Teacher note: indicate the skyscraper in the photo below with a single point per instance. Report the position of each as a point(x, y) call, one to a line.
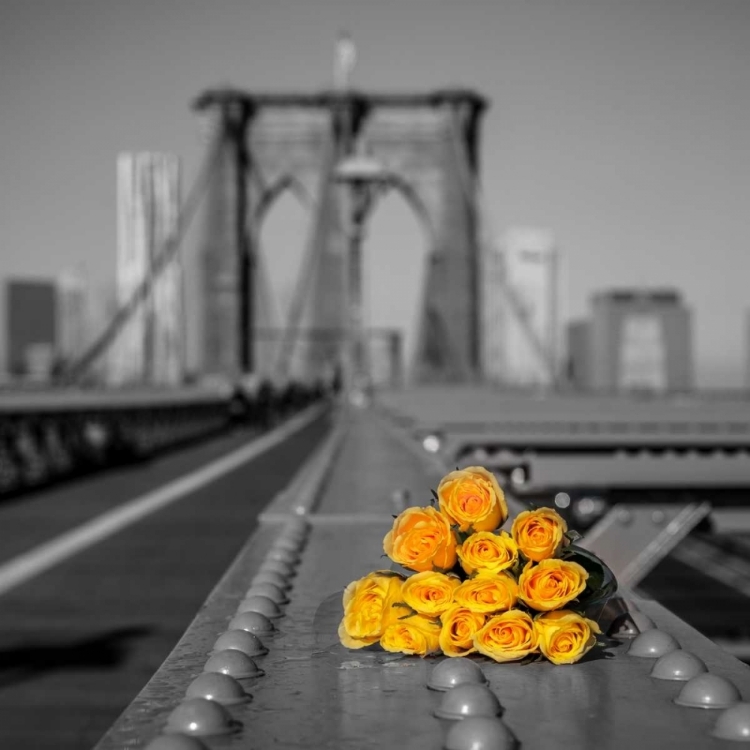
point(150, 348)
point(32, 328)
point(72, 317)
point(530, 314)
point(494, 315)
point(640, 340)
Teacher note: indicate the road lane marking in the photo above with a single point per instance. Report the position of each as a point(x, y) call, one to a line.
point(40, 559)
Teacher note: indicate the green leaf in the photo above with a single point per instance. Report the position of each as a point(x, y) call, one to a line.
point(530, 659)
point(524, 608)
point(601, 583)
point(444, 571)
point(461, 536)
point(407, 616)
point(390, 573)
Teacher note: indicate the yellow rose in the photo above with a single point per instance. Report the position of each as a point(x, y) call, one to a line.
point(487, 592)
point(539, 533)
point(487, 551)
point(507, 636)
point(459, 627)
point(421, 539)
point(472, 499)
point(550, 584)
point(429, 593)
point(368, 608)
point(565, 636)
point(412, 635)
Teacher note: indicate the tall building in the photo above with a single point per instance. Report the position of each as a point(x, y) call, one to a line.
point(639, 340)
point(31, 319)
point(531, 326)
point(150, 348)
point(72, 317)
point(578, 360)
point(493, 316)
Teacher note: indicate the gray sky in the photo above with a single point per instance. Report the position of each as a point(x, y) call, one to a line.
point(622, 126)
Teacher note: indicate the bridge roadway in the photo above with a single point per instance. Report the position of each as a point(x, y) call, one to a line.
point(315, 693)
point(79, 640)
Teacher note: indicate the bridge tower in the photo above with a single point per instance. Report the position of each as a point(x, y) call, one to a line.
point(273, 142)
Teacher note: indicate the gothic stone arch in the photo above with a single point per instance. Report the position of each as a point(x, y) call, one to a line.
point(430, 140)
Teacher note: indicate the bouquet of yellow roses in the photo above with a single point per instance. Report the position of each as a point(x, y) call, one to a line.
point(477, 587)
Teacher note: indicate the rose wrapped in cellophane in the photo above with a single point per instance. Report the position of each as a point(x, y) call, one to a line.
point(476, 587)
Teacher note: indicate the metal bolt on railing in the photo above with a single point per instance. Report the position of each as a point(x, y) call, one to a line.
point(267, 589)
point(261, 604)
point(200, 717)
point(678, 665)
point(234, 663)
point(253, 622)
point(652, 644)
point(241, 640)
point(219, 687)
point(708, 691)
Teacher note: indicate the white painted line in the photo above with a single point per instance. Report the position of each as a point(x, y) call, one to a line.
point(30, 564)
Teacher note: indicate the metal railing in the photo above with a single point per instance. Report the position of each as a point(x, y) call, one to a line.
point(47, 436)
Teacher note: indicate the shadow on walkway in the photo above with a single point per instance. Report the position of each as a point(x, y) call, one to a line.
point(106, 651)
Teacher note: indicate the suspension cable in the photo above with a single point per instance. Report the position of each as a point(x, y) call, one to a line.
point(309, 265)
point(474, 193)
point(167, 253)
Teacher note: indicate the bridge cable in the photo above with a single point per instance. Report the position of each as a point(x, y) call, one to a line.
point(474, 194)
point(267, 197)
point(325, 216)
point(169, 250)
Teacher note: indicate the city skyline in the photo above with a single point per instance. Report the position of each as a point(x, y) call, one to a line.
point(619, 127)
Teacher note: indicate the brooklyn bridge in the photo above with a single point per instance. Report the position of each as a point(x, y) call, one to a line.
point(148, 516)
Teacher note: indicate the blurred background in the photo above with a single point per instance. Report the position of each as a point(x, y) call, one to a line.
point(516, 231)
point(615, 138)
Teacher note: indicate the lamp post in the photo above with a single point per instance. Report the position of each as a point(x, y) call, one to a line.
point(366, 178)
